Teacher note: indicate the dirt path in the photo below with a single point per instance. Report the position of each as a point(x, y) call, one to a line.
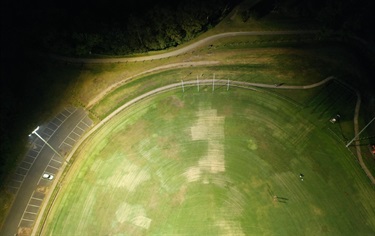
point(183, 49)
point(169, 66)
point(357, 142)
point(98, 97)
point(169, 54)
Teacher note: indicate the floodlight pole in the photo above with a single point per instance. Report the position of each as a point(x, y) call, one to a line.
point(182, 84)
point(347, 145)
point(34, 132)
point(228, 85)
point(197, 83)
point(213, 83)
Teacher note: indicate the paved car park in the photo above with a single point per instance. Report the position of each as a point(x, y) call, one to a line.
point(27, 183)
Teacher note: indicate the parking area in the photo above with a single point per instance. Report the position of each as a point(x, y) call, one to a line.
point(37, 145)
point(27, 183)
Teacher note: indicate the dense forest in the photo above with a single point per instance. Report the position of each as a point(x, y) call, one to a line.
point(119, 27)
point(81, 28)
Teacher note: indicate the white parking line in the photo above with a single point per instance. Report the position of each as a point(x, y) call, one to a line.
point(15, 183)
point(53, 123)
point(33, 158)
point(61, 121)
point(85, 123)
point(23, 174)
point(72, 112)
point(57, 118)
point(52, 167)
point(54, 164)
point(72, 108)
point(13, 187)
point(62, 113)
point(32, 153)
point(28, 162)
point(26, 220)
point(29, 212)
point(71, 145)
point(66, 144)
point(77, 126)
point(76, 133)
point(23, 214)
point(49, 128)
point(37, 147)
point(38, 199)
point(56, 161)
point(72, 139)
point(23, 168)
point(80, 128)
point(42, 179)
point(46, 136)
point(28, 216)
point(25, 164)
point(19, 174)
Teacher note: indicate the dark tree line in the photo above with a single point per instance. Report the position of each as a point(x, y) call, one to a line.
point(123, 27)
point(347, 17)
point(120, 27)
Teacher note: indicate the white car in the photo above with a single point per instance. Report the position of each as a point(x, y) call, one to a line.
point(47, 176)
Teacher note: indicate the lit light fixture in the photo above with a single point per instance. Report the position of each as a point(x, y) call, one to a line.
point(34, 131)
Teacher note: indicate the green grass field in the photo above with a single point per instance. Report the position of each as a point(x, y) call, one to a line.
point(212, 163)
point(215, 163)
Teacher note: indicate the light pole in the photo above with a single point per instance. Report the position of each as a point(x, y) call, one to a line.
point(34, 132)
point(347, 145)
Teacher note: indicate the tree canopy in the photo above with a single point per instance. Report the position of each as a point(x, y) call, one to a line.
point(121, 27)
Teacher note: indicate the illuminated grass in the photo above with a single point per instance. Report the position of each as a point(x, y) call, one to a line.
point(210, 164)
point(269, 70)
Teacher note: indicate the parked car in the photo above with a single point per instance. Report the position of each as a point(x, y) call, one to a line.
point(47, 176)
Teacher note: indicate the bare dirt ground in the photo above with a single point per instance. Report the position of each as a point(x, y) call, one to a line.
point(209, 127)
